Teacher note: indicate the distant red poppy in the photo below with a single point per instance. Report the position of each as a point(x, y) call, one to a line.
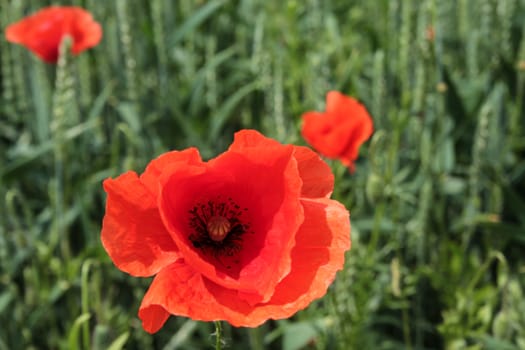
point(248, 236)
point(339, 132)
point(43, 31)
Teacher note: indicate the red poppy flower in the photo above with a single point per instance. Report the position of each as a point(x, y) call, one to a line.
point(43, 31)
point(248, 236)
point(339, 132)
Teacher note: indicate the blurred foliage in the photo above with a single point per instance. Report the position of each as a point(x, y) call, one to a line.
point(437, 204)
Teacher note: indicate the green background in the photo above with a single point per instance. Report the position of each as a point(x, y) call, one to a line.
point(436, 202)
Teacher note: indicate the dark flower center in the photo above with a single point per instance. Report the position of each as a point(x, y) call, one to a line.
point(217, 227)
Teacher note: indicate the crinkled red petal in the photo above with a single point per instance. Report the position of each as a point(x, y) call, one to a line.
point(317, 177)
point(318, 180)
point(84, 29)
point(166, 162)
point(316, 257)
point(267, 184)
point(324, 133)
point(43, 31)
point(361, 128)
point(132, 231)
point(340, 131)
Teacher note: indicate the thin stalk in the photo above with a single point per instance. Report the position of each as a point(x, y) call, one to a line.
point(218, 335)
point(255, 337)
point(376, 230)
point(84, 300)
point(406, 328)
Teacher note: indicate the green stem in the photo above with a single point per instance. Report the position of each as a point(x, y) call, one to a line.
point(255, 337)
point(218, 335)
point(84, 300)
point(406, 328)
point(376, 229)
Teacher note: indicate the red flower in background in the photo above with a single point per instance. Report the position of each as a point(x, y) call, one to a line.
point(43, 31)
point(248, 236)
point(339, 132)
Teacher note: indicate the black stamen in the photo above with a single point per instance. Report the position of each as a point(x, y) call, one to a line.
point(200, 238)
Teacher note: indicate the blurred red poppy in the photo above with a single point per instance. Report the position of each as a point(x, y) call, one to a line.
point(43, 31)
point(340, 130)
point(248, 236)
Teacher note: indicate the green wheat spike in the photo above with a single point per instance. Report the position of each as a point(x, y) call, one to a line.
point(105, 54)
point(426, 200)
point(127, 49)
point(212, 94)
point(505, 11)
point(266, 76)
point(11, 68)
point(468, 17)
point(472, 54)
point(444, 19)
point(497, 128)
point(464, 15)
point(278, 101)
point(418, 93)
point(392, 45)
point(378, 106)
point(425, 29)
point(7, 79)
point(258, 42)
point(84, 80)
point(11, 201)
point(64, 114)
point(405, 39)
point(22, 98)
point(18, 55)
point(159, 36)
point(479, 149)
point(487, 29)
point(454, 17)
point(324, 71)
point(419, 86)
point(497, 148)
point(42, 90)
point(515, 123)
point(6, 66)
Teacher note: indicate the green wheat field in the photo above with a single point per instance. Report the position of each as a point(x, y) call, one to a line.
point(437, 200)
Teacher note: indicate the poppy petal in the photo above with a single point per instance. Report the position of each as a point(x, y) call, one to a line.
point(273, 214)
point(250, 138)
point(318, 180)
point(361, 129)
point(177, 289)
point(43, 31)
point(321, 243)
point(323, 133)
point(85, 31)
point(150, 177)
point(318, 255)
point(337, 102)
point(248, 236)
point(132, 230)
point(339, 132)
point(275, 209)
point(153, 316)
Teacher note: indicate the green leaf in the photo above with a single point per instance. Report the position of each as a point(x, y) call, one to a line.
point(198, 17)
point(225, 111)
point(297, 335)
point(73, 337)
point(119, 343)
